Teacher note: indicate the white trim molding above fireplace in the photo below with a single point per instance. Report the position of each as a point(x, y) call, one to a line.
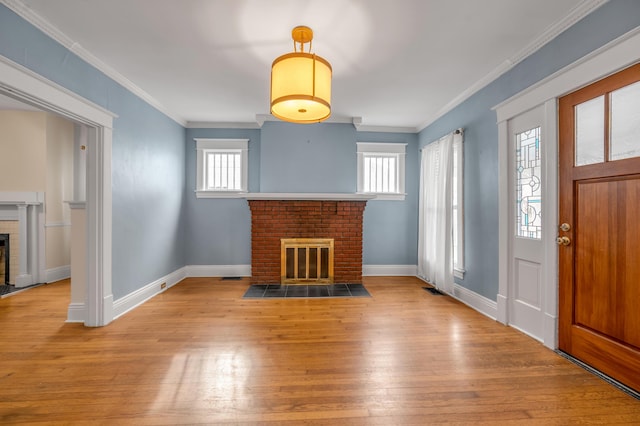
point(308, 196)
point(28, 209)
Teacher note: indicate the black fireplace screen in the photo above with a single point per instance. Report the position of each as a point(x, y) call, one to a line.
point(4, 258)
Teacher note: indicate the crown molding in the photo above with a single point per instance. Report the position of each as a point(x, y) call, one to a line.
point(222, 125)
point(29, 15)
point(335, 119)
point(262, 118)
point(614, 56)
point(356, 121)
point(580, 11)
point(21, 83)
point(576, 14)
point(386, 129)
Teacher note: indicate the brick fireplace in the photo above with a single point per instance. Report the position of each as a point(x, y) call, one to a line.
point(275, 219)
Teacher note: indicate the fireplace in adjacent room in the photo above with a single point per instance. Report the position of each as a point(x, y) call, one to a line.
point(22, 227)
point(4, 259)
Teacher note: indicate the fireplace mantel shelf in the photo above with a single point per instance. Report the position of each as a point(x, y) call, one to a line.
point(21, 198)
point(20, 203)
point(338, 196)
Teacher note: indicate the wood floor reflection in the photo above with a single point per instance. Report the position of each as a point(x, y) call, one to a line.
point(201, 354)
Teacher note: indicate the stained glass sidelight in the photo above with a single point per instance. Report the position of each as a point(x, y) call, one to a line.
point(528, 185)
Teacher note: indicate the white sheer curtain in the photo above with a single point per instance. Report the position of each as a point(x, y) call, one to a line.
point(435, 214)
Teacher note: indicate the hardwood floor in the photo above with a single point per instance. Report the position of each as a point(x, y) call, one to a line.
point(200, 354)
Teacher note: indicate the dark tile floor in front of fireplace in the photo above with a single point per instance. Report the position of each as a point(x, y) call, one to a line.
point(259, 291)
point(7, 290)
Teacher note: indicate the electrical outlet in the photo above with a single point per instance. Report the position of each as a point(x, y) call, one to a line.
point(163, 285)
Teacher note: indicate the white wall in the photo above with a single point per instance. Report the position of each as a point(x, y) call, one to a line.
point(23, 161)
point(59, 188)
point(36, 154)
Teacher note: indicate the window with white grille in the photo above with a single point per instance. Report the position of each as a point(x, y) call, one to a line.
point(224, 170)
point(381, 169)
point(221, 167)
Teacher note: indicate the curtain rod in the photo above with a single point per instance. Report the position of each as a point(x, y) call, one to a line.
point(455, 132)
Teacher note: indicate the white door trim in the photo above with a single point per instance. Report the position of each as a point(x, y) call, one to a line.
point(534, 320)
point(614, 56)
point(25, 85)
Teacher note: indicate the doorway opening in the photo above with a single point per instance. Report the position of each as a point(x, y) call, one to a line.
point(25, 86)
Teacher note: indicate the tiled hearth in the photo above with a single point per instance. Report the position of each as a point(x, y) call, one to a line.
point(275, 219)
point(265, 291)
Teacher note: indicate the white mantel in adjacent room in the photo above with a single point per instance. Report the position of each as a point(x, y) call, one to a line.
point(27, 209)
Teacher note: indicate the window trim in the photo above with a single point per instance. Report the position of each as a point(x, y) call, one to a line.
point(203, 145)
point(458, 148)
point(381, 148)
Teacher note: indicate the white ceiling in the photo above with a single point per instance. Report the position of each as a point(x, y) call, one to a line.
point(399, 63)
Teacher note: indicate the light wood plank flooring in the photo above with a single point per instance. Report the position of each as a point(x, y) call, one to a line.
point(200, 354)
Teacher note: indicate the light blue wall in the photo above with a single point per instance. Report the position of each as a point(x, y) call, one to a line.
point(148, 173)
point(218, 231)
point(391, 227)
point(159, 226)
point(308, 158)
point(481, 132)
point(286, 157)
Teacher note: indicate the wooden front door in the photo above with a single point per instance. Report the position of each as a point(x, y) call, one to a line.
point(599, 229)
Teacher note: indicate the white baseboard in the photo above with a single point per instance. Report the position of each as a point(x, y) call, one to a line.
point(389, 270)
point(57, 274)
point(75, 312)
point(502, 309)
point(218, 270)
point(550, 331)
point(476, 301)
point(125, 304)
point(23, 280)
point(138, 297)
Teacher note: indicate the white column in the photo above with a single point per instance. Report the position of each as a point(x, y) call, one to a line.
point(99, 299)
point(33, 245)
point(76, 311)
point(23, 279)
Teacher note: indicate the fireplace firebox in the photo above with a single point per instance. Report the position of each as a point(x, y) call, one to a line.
point(306, 260)
point(4, 259)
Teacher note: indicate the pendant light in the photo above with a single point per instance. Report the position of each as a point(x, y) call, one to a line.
point(301, 83)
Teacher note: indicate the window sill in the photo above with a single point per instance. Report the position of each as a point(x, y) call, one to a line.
point(385, 196)
point(459, 273)
point(219, 194)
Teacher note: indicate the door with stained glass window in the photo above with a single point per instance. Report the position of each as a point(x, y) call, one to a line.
point(526, 269)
